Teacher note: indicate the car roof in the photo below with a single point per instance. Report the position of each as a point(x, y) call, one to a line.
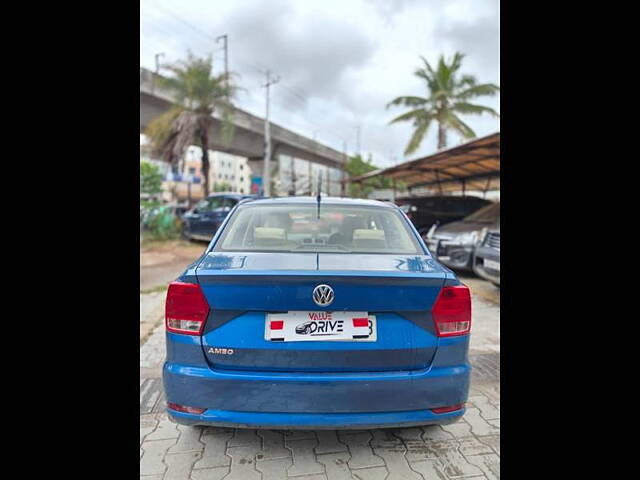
point(323, 201)
point(224, 194)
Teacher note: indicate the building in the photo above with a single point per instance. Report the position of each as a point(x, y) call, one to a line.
point(296, 176)
point(145, 156)
point(290, 176)
point(183, 182)
point(226, 172)
point(229, 171)
point(164, 167)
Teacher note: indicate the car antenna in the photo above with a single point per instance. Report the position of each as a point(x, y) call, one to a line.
point(319, 196)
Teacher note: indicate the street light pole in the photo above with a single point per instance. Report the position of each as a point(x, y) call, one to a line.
point(293, 175)
point(266, 176)
point(226, 61)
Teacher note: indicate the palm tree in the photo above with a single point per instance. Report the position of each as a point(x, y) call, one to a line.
point(197, 92)
point(448, 97)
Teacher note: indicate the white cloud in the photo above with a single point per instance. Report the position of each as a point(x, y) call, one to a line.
point(340, 61)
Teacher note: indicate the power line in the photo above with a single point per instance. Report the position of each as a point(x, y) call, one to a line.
point(294, 93)
point(266, 176)
point(259, 68)
point(170, 47)
point(168, 34)
point(181, 20)
point(316, 126)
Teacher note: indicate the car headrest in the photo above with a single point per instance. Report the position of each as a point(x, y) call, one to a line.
point(266, 236)
point(278, 220)
point(367, 238)
point(350, 224)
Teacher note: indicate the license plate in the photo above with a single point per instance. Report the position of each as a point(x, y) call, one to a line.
point(491, 264)
point(320, 327)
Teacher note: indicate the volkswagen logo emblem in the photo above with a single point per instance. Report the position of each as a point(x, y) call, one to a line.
point(323, 295)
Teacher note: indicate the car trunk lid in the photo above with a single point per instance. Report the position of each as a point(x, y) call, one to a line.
point(243, 288)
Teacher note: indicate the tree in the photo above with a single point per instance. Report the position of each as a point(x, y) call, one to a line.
point(221, 187)
point(150, 179)
point(198, 92)
point(449, 95)
point(356, 166)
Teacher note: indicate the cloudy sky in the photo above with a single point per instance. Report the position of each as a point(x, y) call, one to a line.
point(339, 61)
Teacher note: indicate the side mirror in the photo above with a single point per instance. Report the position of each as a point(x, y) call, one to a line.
point(195, 211)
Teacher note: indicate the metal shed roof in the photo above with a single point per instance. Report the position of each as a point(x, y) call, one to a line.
point(474, 165)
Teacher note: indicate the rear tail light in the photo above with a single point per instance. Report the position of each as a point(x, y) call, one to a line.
point(184, 408)
point(448, 409)
point(186, 308)
point(452, 311)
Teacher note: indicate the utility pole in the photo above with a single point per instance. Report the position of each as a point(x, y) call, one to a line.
point(328, 184)
point(266, 176)
point(293, 175)
point(358, 140)
point(157, 56)
point(344, 166)
point(226, 61)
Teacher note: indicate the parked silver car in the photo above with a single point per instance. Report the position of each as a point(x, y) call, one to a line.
point(486, 258)
point(454, 243)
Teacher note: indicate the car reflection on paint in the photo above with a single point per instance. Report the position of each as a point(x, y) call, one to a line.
point(304, 328)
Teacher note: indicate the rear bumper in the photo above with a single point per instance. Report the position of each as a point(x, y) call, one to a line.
point(314, 400)
point(315, 421)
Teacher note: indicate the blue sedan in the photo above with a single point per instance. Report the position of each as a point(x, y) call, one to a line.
point(317, 313)
point(203, 220)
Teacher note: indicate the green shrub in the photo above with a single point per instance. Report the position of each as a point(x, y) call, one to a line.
point(162, 225)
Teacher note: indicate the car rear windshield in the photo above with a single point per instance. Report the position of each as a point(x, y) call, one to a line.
point(297, 228)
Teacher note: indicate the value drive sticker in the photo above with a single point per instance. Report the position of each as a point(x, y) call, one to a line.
point(320, 326)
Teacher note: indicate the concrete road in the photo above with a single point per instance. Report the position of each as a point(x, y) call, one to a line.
point(468, 448)
point(162, 263)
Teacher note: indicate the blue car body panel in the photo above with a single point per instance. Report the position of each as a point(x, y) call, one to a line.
point(316, 421)
point(392, 381)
